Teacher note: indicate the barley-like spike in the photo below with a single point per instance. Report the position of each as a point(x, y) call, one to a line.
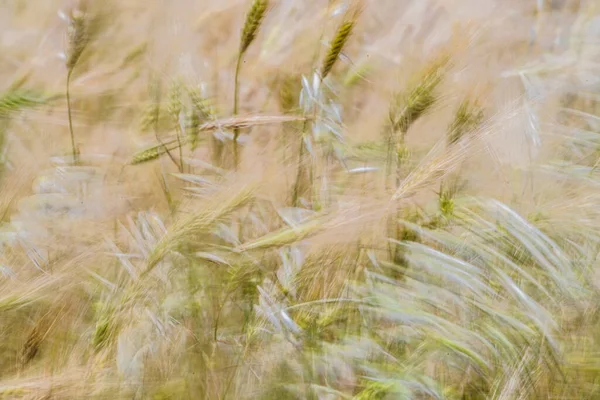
point(154, 152)
point(148, 119)
point(15, 100)
point(417, 102)
point(193, 124)
point(149, 154)
point(175, 105)
point(102, 333)
point(289, 93)
point(200, 105)
point(468, 116)
point(31, 346)
point(78, 37)
point(252, 24)
point(337, 45)
point(197, 114)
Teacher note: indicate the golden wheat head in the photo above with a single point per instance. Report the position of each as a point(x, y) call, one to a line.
point(149, 154)
point(253, 21)
point(175, 104)
point(337, 45)
point(78, 37)
point(420, 98)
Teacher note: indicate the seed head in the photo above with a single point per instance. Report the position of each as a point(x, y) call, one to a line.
point(252, 24)
point(468, 116)
point(175, 103)
point(337, 45)
point(78, 37)
point(149, 154)
point(418, 100)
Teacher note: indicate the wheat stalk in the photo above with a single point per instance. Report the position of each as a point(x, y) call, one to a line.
point(405, 110)
point(174, 109)
point(254, 19)
point(77, 41)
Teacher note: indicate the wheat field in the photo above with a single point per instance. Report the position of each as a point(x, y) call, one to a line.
point(300, 199)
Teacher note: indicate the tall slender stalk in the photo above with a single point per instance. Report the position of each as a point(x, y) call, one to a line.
point(253, 21)
point(236, 130)
point(175, 107)
point(407, 109)
point(296, 192)
point(78, 39)
point(75, 158)
point(343, 33)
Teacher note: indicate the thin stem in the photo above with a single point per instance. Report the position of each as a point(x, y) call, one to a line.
point(70, 117)
point(296, 193)
point(156, 119)
point(236, 130)
point(178, 130)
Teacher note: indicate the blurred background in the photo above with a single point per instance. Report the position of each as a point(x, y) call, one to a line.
point(283, 199)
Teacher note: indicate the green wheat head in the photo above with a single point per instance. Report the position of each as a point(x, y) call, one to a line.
point(337, 45)
point(17, 100)
point(468, 116)
point(253, 21)
point(175, 105)
point(151, 153)
point(410, 106)
point(289, 92)
point(198, 113)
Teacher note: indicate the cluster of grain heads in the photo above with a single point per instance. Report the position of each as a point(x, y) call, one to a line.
point(78, 39)
point(407, 108)
point(467, 118)
point(254, 19)
point(189, 228)
point(154, 152)
point(326, 115)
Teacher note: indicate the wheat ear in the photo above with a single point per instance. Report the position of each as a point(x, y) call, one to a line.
point(253, 21)
point(337, 45)
point(468, 116)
